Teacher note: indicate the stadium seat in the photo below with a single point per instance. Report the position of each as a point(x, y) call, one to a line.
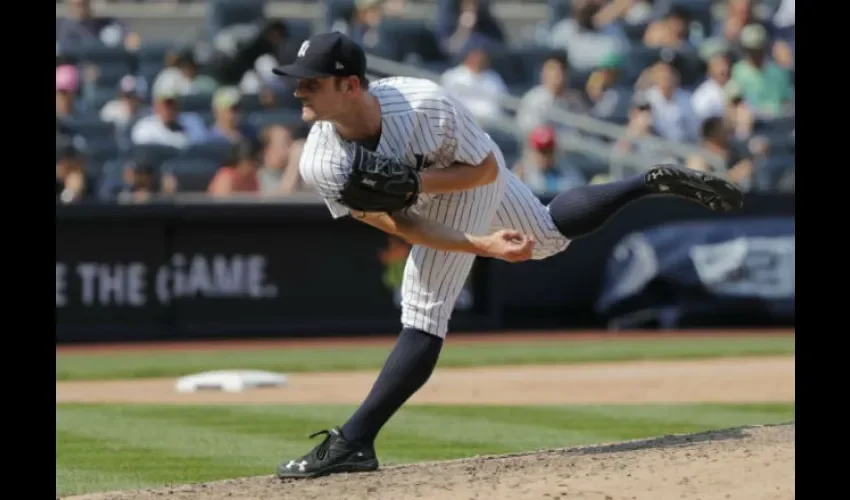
point(250, 103)
point(99, 54)
point(225, 13)
point(620, 113)
point(559, 10)
point(507, 142)
point(97, 154)
point(578, 79)
point(97, 96)
point(400, 39)
point(153, 154)
point(214, 151)
point(637, 59)
point(781, 142)
point(691, 68)
point(635, 32)
point(193, 174)
point(154, 51)
point(102, 147)
point(207, 117)
point(698, 10)
point(113, 166)
point(436, 67)
point(109, 74)
point(510, 67)
point(588, 165)
point(337, 10)
point(298, 29)
point(769, 171)
point(423, 42)
point(784, 124)
point(151, 57)
point(285, 99)
point(779, 132)
point(196, 102)
point(88, 127)
point(111, 180)
point(262, 119)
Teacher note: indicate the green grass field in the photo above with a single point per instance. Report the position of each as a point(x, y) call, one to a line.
point(108, 447)
point(102, 448)
point(117, 365)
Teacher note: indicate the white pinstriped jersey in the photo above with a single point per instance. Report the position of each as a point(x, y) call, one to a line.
point(425, 126)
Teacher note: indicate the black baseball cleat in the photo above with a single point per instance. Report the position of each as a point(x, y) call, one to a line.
point(708, 190)
point(334, 454)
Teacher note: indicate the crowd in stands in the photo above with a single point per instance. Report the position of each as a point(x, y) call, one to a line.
point(141, 119)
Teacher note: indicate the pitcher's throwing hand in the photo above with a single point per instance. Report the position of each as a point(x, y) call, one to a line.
point(509, 245)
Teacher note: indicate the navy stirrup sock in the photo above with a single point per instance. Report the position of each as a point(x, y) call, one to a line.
point(407, 368)
point(584, 209)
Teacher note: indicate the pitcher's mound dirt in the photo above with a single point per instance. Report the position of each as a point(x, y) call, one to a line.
point(740, 464)
point(696, 381)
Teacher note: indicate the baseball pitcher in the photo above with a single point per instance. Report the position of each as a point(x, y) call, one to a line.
point(402, 155)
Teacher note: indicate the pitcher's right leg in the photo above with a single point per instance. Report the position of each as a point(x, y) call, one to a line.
point(582, 210)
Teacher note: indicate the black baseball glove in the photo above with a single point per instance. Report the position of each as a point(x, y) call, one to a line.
point(378, 183)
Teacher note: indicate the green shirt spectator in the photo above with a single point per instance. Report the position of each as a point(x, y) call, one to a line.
point(766, 86)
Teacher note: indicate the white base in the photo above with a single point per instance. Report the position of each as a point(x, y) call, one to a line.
point(230, 381)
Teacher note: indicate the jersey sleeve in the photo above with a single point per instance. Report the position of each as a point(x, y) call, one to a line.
point(465, 140)
point(323, 166)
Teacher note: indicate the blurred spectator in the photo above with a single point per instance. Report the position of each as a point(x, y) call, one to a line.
point(272, 98)
point(237, 49)
point(715, 138)
point(167, 125)
point(552, 92)
point(672, 115)
point(72, 182)
point(640, 126)
point(784, 34)
point(460, 22)
point(181, 73)
point(740, 119)
point(669, 31)
point(292, 181)
point(229, 124)
point(361, 21)
point(277, 142)
point(140, 183)
point(766, 86)
point(239, 173)
point(67, 90)
point(630, 12)
point(81, 26)
point(475, 84)
point(126, 106)
point(585, 44)
point(261, 76)
point(542, 168)
point(602, 88)
point(732, 18)
point(709, 98)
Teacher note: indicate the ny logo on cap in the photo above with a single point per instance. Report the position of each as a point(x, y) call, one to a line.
point(303, 50)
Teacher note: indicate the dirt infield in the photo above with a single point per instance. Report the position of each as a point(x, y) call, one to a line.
point(697, 381)
point(744, 464)
point(739, 464)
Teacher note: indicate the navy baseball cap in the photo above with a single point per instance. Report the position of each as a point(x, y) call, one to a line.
point(326, 54)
